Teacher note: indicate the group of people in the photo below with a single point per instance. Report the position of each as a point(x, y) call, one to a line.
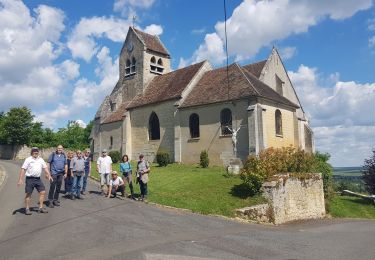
point(74, 169)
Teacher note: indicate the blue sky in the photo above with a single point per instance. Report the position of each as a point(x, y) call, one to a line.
point(60, 58)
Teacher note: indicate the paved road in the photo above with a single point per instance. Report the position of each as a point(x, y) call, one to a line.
point(99, 228)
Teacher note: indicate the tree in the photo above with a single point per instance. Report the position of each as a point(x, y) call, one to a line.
point(87, 131)
point(322, 166)
point(16, 126)
point(368, 174)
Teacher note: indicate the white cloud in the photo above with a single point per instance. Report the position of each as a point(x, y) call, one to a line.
point(371, 24)
point(371, 41)
point(341, 114)
point(255, 24)
point(82, 42)
point(288, 52)
point(69, 69)
point(154, 29)
point(198, 31)
point(127, 7)
point(81, 123)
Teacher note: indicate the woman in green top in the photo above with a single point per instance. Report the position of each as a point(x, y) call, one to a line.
point(126, 170)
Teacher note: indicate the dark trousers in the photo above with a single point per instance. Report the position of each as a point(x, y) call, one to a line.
point(143, 187)
point(55, 187)
point(68, 181)
point(119, 189)
point(131, 188)
point(85, 181)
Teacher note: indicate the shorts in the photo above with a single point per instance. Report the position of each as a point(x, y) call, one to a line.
point(127, 176)
point(104, 179)
point(34, 182)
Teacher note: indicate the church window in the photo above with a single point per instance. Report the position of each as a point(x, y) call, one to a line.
point(132, 68)
point(154, 127)
point(194, 125)
point(127, 68)
point(278, 123)
point(279, 85)
point(112, 105)
point(226, 121)
point(153, 64)
point(111, 140)
point(156, 67)
point(160, 67)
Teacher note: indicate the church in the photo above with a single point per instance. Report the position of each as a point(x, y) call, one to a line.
point(231, 112)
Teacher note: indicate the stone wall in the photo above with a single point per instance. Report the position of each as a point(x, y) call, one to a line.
point(10, 152)
point(289, 199)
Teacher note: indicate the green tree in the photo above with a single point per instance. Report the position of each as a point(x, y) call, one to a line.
point(87, 131)
point(16, 126)
point(368, 174)
point(322, 166)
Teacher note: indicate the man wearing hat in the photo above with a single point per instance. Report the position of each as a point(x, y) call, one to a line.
point(104, 168)
point(32, 168)
point(116, 184)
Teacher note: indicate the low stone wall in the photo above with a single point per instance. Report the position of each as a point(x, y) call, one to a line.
point(10, 152)
point(289, 199)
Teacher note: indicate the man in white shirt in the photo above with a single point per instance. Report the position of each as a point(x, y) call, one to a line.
point(104, 168)
point(32, 168)
point(116, 184)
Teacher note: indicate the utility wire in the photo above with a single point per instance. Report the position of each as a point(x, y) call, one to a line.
point(226, 46)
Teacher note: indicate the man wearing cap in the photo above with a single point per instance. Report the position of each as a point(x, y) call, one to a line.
point(116, 184)
point(104, 168)
point(32, 168)
point(58, 165)
point(143, 169)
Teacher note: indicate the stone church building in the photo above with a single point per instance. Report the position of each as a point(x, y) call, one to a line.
point(188, 110)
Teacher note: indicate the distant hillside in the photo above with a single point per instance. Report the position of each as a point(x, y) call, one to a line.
point(347, 171)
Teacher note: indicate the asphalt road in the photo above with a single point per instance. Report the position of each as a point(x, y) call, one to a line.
point(100, 228)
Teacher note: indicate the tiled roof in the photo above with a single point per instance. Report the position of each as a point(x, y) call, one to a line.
point(214, 85)
point(255, 68)
point(117, 115)
point(152, 42)
point(167, 86)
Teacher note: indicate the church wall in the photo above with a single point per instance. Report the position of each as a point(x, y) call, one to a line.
point(148, 75)
point(288, 125)
point(220, 148)
point(106, 131)
point(139, 128)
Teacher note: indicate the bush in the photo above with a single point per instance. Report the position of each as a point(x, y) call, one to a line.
point(162, 158)
point(115, 155)
point(204, 160)
point(322, 166)
point(272, 161)
point(368, 174)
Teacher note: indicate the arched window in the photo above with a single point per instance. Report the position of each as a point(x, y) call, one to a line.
point(153, 127)
point(278, 123)
point(160, 62)
point(194, 125)
point(127, 68)
point(153, 60)
point(111, 140)
point(160, 67)
point(153, 67)
point(132, 68)
point(226, 121)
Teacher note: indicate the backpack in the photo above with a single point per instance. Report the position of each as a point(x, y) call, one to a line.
point(53, 158)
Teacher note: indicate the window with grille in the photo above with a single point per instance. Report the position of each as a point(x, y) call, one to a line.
point(278, 123)
point(194, 125)
point(154, 127)
point(226, 121)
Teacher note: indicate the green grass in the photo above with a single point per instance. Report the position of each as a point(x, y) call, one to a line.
point(207, 191)
point(351, 207)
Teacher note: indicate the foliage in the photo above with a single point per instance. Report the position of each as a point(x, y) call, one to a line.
point(355, 186)
point(207, 191)
point(204, 160)
point(162, 158)
point(115, 156)
point(322, 166)
point(368, 174)
point(16, 126)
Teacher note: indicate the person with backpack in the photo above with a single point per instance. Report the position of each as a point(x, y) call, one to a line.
point(68, 178)
point(78, 169)
point(143, 169)
point(126, 170)
point(58, 166)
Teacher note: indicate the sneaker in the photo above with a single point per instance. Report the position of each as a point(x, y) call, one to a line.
point(28, 212)
point(123, 195)
point(79, 197)
point(132, 197)
point(72, 197)
point(83, 192)
point(50, 204)
point(42, 210)
point(56, 203)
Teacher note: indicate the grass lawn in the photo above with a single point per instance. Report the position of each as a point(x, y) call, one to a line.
point(351, 207)
point(207, 191)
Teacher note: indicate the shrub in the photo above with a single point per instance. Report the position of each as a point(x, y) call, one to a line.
point(322, 166)
point(204, 160)
point(271, 161)
point(162, 158)
point(115, 155)
point(368, 174)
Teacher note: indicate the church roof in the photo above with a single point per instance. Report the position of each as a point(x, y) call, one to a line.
point(242, 84)
point(152, 42)
point(166, 87)
point(255, 68)
point(117, 115)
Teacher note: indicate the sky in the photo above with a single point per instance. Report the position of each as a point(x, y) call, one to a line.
point(60, 58)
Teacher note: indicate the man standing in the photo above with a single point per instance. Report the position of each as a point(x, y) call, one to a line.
point(143, 169)
point(87, 159)
point(58, 165)
point(104, 168)
point(32, 168)
point(78, 170)
point(116, 184)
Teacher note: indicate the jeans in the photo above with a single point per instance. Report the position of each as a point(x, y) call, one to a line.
point(69, 184)
point(55, 187)
point(119, 189)
point(85, 181)
point(143, 187)
point(77, 185)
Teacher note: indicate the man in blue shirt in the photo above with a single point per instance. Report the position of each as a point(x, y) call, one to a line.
point(87, 158)
point(58, 166)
